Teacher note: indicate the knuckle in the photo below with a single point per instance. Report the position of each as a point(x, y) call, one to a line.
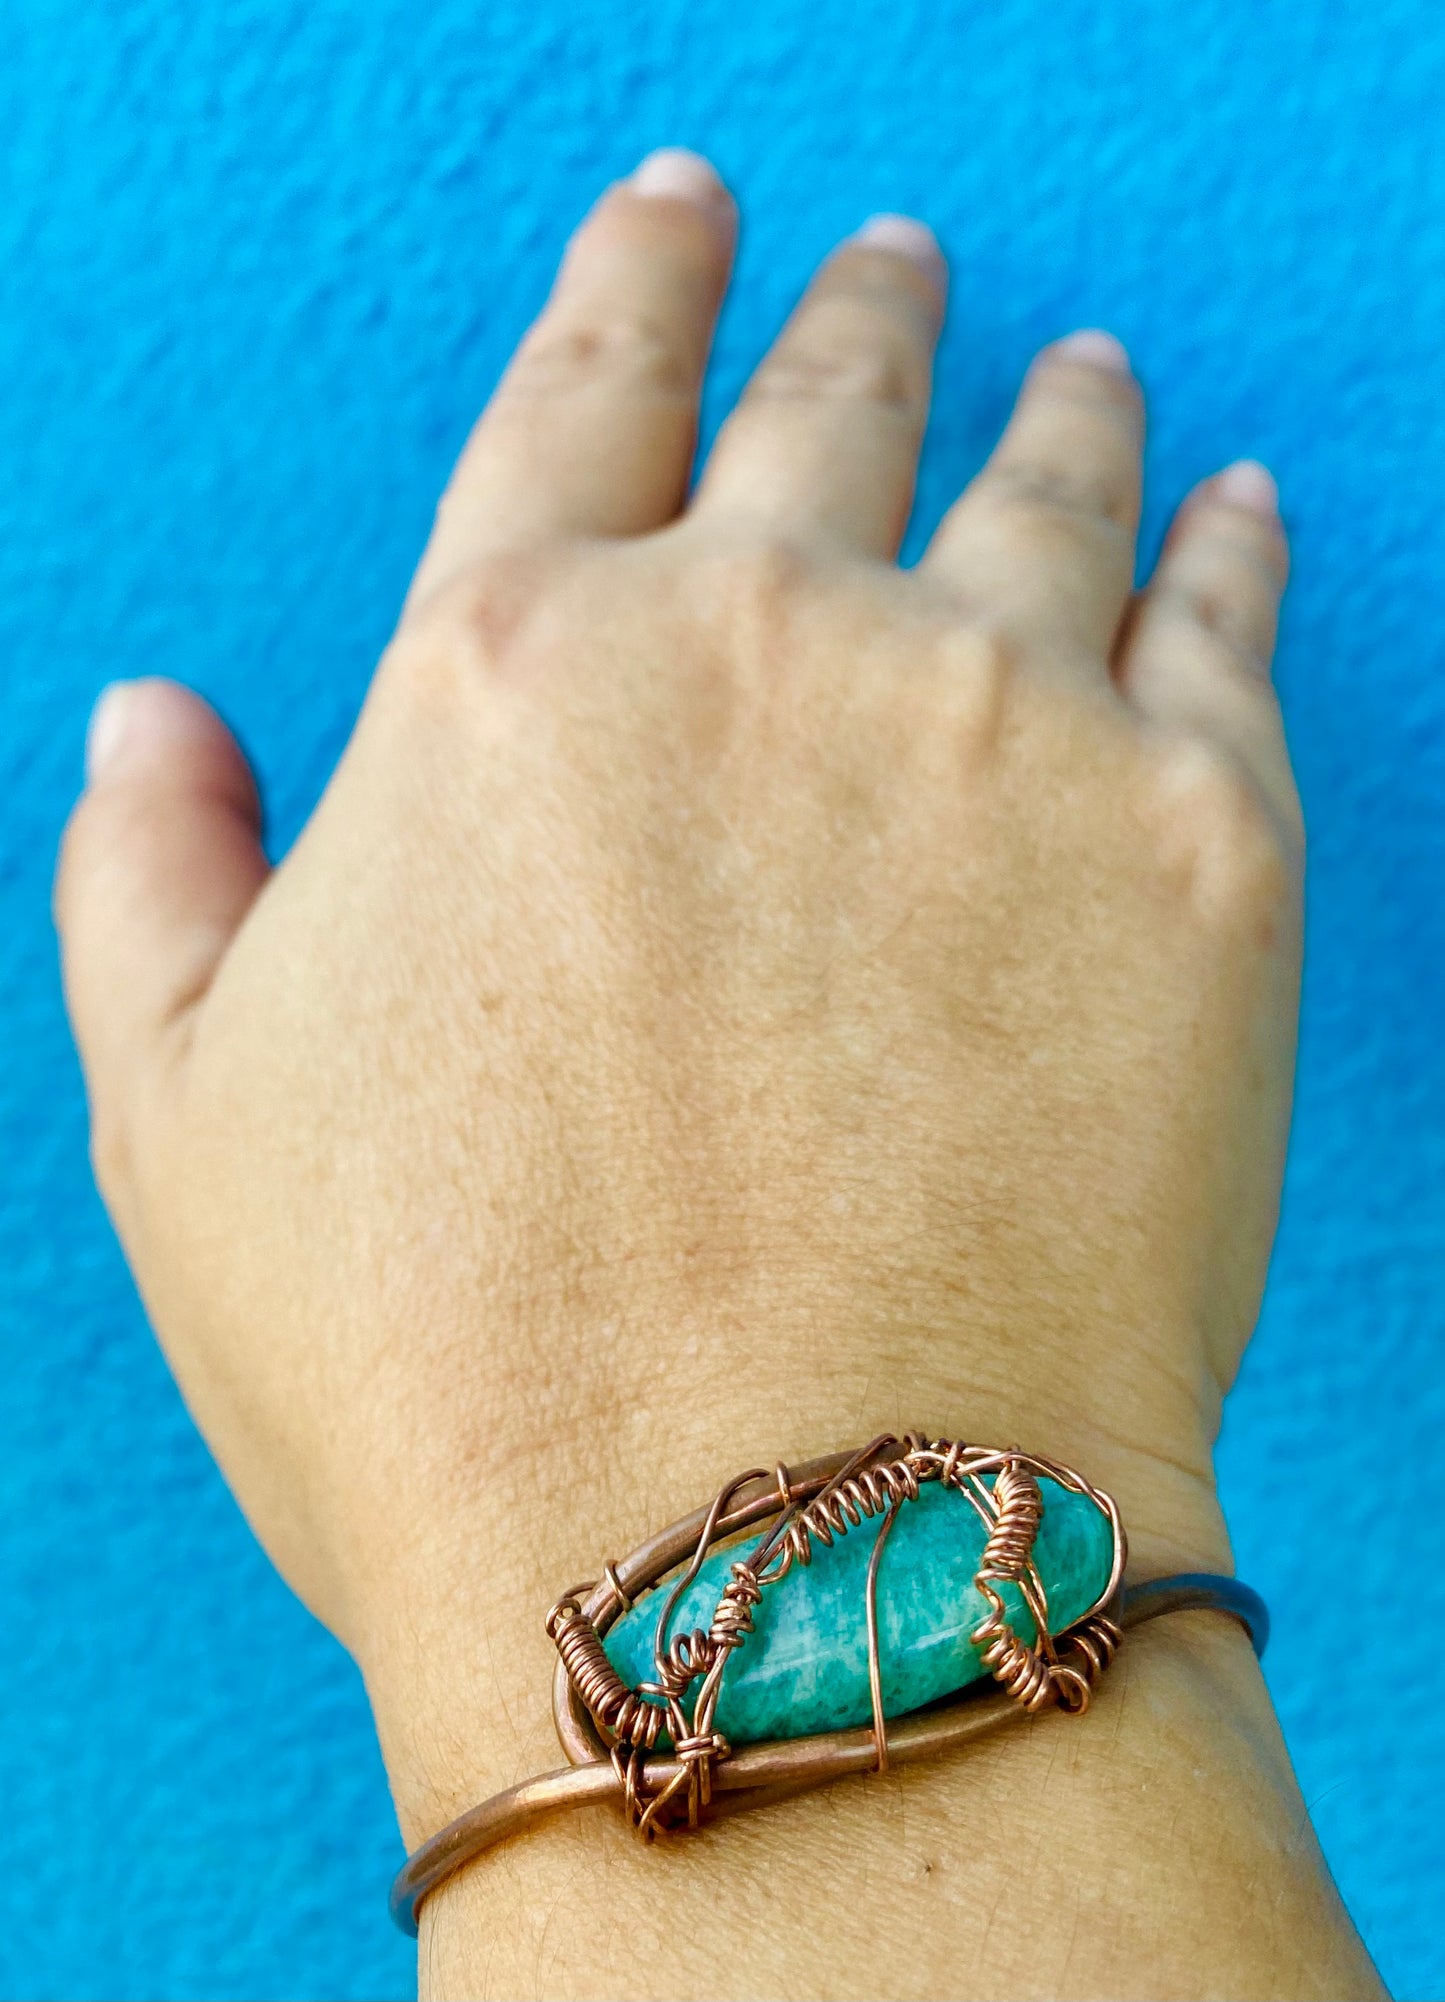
point(470, 628)
point(620, 344)
point(138, 1158)
point(1216, 612)
point(872, 372)
point(1046, 498)
point(980, 675)
point(754, 593)
point(1242, 865)
point(760, 573)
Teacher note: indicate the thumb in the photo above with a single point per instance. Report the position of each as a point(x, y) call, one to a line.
point(160, 863)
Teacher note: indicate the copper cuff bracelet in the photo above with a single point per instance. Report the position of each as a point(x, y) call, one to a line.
point(610, 1729)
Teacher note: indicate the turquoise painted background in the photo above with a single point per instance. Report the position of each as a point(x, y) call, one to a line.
point(260, 263)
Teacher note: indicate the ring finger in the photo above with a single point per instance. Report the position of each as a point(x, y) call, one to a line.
point(1042, 541)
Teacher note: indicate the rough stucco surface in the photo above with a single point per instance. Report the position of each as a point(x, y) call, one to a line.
point(261, 261)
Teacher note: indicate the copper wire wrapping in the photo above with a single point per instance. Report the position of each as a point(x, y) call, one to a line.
point(844, 1505)
point(756, 1775)
point(1027, 1670)
point(622, 1712)
point(878, 1480)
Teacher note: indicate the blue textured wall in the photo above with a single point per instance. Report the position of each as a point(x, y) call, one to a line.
point(260, 264)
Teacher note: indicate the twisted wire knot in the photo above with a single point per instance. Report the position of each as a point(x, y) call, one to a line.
point(733, 1620)
point(688, 1656)
point(708, 1745)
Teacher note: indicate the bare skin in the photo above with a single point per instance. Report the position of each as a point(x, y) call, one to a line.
point(734, 997)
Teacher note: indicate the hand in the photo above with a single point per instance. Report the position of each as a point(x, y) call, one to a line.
point(734, 996)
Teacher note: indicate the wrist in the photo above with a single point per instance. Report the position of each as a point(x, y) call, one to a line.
point(1164, 1824)
point(454, 1649)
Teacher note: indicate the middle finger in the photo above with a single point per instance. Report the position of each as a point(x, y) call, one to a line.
point(824, 442)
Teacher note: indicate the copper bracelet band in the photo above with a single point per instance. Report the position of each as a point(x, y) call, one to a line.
point(608, 1731)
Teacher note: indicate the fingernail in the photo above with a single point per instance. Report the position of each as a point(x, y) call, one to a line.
point(106, 732)
point(137, 722)
point(1248, 484)
point(906, 236)
point(1096, 349)
point(678, 175)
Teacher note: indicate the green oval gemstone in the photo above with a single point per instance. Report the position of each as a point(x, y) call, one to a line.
point(804, 1667)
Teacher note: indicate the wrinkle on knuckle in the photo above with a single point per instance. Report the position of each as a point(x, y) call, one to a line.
point(1215, 613)
point(468, 628)
point(612, 346)
point(1043, 491)
point(871, 373)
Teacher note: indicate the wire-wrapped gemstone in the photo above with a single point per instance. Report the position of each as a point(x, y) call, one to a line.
point(804, 1666)
point(968, 1598)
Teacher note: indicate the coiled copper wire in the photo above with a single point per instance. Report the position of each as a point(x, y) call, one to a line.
point(1097, 1639)
point(733, 1620)
point(1020, 1504)
point(1010, 1660)
point(1023, 1669)
point(843, 1507)
point(623, 1713)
